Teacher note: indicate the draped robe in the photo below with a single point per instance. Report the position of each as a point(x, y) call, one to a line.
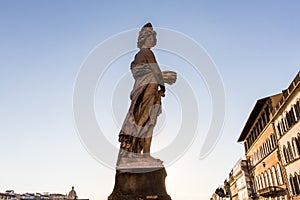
point(145, 104)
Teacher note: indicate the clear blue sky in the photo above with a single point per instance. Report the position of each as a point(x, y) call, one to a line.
point(254, 44)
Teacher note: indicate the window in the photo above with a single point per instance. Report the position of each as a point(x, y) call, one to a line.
point(289, 119)
point(292, 115)
point(279, 174)
point(294, 146)
point(286, 122)
point(270, 178)
point(246, 145)
point(269, 145)
point(271, 142)
point(264, 149)
point(290, 152)
point(256, 186)
point(283, 125)
point(285, 155)
point(266, 179)
point(262, 180)
point(297, 110)
point(299, 179)
point(292, 185)
point(274, 176)
point(297, 141)
point(265, 120)
point(274, 140)
point(296, 184)
point(278, 130)
point(259, 182)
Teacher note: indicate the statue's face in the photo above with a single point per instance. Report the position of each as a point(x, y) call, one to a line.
point(149, 42)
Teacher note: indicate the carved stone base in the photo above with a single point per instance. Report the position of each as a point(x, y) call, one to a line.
point(140, 186)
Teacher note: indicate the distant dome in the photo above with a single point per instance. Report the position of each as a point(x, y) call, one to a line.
point(72, 194)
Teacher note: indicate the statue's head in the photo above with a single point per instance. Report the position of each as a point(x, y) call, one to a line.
point(147, 37)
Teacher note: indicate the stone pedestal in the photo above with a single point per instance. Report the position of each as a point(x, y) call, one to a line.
point(132, 185)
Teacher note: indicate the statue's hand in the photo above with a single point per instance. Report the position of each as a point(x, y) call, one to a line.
point(169, 77)
point(162, 88)
point(161, 93)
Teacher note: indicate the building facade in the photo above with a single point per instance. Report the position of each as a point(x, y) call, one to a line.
point(287, 128)
point(7, 196)
point(271, 138)
point(237, 186)
point(262, 154)
point(10, 195)
point(222, 192)
point(241, 174)
point(233, 187)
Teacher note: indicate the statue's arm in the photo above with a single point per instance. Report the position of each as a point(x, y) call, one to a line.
point(156, 70)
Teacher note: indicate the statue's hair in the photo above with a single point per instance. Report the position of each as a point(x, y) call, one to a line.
point(144, 33)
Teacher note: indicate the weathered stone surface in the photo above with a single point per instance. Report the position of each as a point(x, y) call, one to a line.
point(140, 186)
point(139, 164)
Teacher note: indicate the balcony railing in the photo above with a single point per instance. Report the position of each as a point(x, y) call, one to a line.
point(270, 191)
